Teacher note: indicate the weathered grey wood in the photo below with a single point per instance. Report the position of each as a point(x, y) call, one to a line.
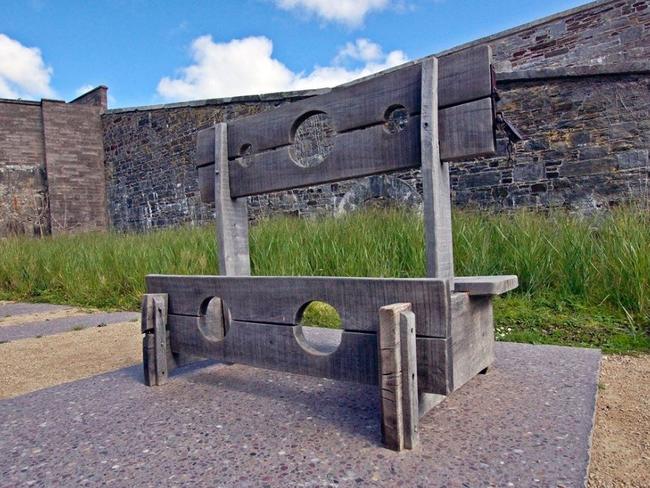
point(390, 375)
point(426, 401)
point(464, 76)
point(160, 335)
point(486, 285)
point(282, 347)
point(435, 182)
point(205, 147)
point(279, 299)
point(349, 107)
point(149, 359)
point(155, 339)
point(231, 214)
point(468, 131)
point(410, 403)
point(358, 153)
point(206, 183)
point(472, 336)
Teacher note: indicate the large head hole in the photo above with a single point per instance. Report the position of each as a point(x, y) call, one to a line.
point(396, 119)
point(313, 139)
point(214, 319)
point(319, 328)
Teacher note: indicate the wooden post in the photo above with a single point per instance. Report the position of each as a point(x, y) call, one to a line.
point(231, 214)
point(155, 342)
point(435, 181)
point(398, 376)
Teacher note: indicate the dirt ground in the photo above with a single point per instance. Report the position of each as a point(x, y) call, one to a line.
point(620, 455)
point(30, 318)
point(36, 363)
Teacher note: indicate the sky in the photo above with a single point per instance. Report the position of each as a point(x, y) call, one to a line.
point(149, 52)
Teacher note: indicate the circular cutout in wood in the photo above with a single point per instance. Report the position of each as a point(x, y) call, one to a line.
point(397, 118)
point(313, 139)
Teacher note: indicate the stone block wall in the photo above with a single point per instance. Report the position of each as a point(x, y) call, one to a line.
point(23, 208)
point(52, 165)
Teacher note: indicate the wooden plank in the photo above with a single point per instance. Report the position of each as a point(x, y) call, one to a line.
point(472, 336)
point(231, 215)
point(279, 299)
point(280, 347)
point(349, 107)
point(359, 153)
point(467, 130)
point(435, 182)
point(410, 403)
point(149, 359)
point(486, 285)
point(464, 76)
point(205, 147)
point(390, 375)
point(206, 183)
point(160, 337)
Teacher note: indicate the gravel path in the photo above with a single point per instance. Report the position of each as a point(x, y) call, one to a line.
point(10, 308)
point(62, 324)
point(526, 423)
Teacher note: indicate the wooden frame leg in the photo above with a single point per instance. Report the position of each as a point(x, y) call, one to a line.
point(155, 343)
point(398, 377)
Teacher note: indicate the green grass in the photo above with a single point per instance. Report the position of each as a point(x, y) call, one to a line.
point(583, 280)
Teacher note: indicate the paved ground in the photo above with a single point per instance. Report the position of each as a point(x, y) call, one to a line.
point(526, 423)
point(22, 320)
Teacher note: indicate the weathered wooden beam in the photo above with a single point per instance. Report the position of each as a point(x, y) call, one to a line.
point(231, 214)
point(279, 299)
point(364, 152)
point(486, 285)
point(467, 131)
point(155, 340)
point(398, 389)
point(435, 181)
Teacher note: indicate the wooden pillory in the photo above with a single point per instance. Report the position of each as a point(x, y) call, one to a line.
point(418, 339)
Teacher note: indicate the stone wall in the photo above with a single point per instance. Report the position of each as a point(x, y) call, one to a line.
point(576, 84)
point(22, 169)
point(52, 165)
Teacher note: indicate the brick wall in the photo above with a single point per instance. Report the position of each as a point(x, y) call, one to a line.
point(74, 156)
point(52, 165)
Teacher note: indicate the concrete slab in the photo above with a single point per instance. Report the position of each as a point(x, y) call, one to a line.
point(63, 324)
point(8, 309)
point(526, 423)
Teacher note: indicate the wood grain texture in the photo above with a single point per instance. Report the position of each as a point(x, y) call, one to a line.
point(359, 153)
point(410, 406)
point(464, 76)
point(279, 299)
point(349, 107)
point(155, 339)
point(205, 147)
point(390, 375)
point(160, 336)
point(231, 215)
point(435, 182)
point(206, 177)
point(472, 336)
point(427, 401)
point(467, 131)
point(486, 285)
point(282, 347)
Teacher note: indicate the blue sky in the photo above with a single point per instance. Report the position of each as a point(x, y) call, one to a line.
point(150, 52)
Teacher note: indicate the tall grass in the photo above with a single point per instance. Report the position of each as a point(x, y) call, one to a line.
point(600, 262)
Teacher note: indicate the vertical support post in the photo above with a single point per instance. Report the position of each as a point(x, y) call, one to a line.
point(435, 181)
point(155, 343)
point(398, 376)
point(231, 213)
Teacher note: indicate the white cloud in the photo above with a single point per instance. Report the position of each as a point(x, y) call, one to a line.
point(83, 89)
point(246, 66)
point(23, 74)
point(349, 12)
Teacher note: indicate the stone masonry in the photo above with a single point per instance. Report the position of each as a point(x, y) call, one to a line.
point(577, 84)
